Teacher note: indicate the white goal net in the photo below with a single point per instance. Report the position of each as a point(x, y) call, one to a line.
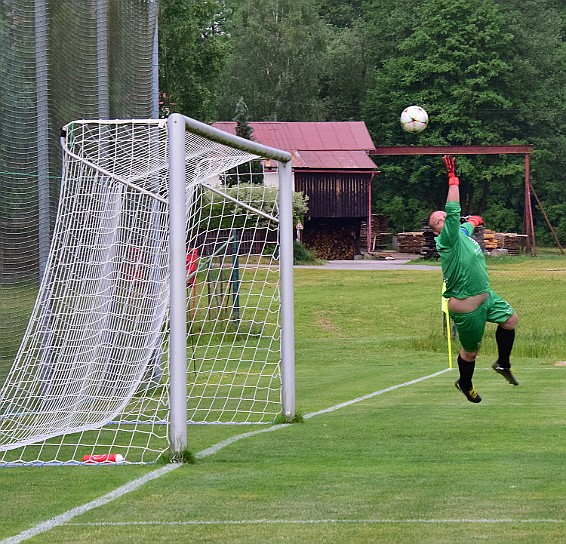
point(93, 373)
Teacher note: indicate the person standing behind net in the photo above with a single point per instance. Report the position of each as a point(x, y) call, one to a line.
point(471, 302)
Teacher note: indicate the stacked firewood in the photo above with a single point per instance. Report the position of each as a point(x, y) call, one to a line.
point(428, 249)
point(331, 242)
point(479, 236)
point(379, 235)
point(490, 240)
point(510, 241)
point(486, 238)
point(410, 242)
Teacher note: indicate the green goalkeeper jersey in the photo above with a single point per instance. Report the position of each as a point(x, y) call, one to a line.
point(463, 263)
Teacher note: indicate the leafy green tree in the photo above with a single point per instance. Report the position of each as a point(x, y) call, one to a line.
point(275, 60)
point(453, 61)
point(250, 172)
point(345, 69)
point(243, 128)
point(539, 69)
point(488, 72)
point(193, 48)
point(340, 14)
point(347, 60)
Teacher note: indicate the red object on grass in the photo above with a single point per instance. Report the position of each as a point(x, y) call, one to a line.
point(192, 266)
point(103, 458)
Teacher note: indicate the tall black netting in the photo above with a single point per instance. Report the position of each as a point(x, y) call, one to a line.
point(60, 60)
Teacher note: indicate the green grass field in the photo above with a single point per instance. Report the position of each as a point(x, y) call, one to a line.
point(388, 451)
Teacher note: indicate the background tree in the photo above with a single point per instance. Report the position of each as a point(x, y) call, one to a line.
point(539, 69)
point(455, 63)
point(346, 61)
point(275, 61)
point(250, 172)
point(344, 72)
point(488, 72)
point(193, 49)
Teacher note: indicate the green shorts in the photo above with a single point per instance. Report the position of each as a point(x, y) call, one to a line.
point(471, 326)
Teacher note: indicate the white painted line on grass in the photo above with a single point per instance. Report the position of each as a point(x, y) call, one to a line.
point(131, 486)
point(306, 522)
point(217, 447)
point(374, 394)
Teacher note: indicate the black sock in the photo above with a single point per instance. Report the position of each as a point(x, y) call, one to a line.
point(504, 339)
point(466, 372)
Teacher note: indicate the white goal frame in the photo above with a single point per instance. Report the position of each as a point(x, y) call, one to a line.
point(166, 248)
point(178, 125)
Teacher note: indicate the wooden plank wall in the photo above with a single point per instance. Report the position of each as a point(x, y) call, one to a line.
point(334, 194)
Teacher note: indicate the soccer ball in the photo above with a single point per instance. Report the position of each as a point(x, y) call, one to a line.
point(414, 119)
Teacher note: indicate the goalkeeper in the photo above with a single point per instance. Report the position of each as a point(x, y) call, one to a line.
point(471, 302)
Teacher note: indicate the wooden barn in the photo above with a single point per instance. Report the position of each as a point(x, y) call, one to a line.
point(332, 166)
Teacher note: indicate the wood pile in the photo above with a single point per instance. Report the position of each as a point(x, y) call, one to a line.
point(489, 240)
point(379, 235)
point(428, 249)
point(410, 242)
point(479, 236)
point(331, 243)
point(423, 242)
point(510, 241)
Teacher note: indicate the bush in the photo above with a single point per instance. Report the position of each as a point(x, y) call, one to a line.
point(302, 255)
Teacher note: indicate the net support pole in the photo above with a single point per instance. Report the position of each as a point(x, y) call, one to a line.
point(177, 263)
point(287, 290)
point(153, 24)
point(42, 101)
point(102, 59)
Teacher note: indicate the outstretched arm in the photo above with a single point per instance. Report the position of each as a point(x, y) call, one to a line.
point(453, 181)
point(454, 189)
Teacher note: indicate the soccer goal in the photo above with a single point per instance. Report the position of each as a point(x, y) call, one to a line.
point(167, 299)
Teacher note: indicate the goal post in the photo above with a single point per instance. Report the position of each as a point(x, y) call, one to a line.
point(167, 297)
point(178, 125)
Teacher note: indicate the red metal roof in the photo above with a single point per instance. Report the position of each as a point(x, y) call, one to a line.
point(333, 160)
point(316, 145)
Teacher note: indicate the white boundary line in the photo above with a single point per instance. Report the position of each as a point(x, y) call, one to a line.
point(135, 484)
point(375, 394)
point(231, 440)
point(306, 522)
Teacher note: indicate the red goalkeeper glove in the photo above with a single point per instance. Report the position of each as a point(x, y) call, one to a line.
point(475, 220)
point(450, 164)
